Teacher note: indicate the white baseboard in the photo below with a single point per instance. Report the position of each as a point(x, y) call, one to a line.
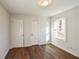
point(66, 50)
point(6, 53)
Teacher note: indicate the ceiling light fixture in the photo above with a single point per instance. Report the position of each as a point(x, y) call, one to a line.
point(44, 2)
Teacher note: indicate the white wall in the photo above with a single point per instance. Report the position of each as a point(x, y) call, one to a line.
point(72, 39)
point(30, 29)
point(4, 32)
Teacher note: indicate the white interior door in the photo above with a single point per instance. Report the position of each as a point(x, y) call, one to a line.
point(17, 33)
point(35, 33)
point(40, 30)
point(27, 32)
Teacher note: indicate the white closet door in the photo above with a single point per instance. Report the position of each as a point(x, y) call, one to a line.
point(17, 32)
point(39, 32)
point(35, 32)
point(27, 32)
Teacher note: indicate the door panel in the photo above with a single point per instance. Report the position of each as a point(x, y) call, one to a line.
point(35, 32)
point(27, 32)
point(17, 33)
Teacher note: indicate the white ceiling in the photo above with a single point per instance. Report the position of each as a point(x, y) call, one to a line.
point(30, 7)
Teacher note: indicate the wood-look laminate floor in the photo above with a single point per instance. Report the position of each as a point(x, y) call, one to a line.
point(39, 52)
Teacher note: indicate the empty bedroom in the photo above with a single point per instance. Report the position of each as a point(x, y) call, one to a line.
point(39, 29)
